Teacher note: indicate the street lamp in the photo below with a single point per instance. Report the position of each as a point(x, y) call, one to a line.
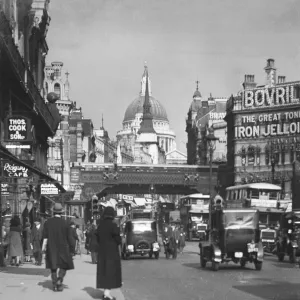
point(211, 142)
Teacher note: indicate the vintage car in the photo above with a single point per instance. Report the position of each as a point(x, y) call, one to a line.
point(288, 240)
point(140, 238)
point(268, 238)
point(234, 236)
point(201, 231)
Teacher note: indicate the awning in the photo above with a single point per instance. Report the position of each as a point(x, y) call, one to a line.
point(140, 201)
point(4, 153)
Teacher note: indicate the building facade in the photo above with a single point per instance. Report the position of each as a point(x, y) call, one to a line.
point(26, 119)
point(203, 114)
point(263, 125)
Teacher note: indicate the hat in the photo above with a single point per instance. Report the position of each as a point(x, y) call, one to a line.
point(57, 208)
point(109, 212)
point(27, 224)
point(72, 223)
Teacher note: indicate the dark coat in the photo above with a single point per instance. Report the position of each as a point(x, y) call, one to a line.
point(27, 241)
point(109, 274)
point(15, 247)
point(36, 239)
point(74, 238)
point(59, 236)
point(93, 242)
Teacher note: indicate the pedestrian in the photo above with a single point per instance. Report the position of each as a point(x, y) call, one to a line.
point(27, 245)
point(181, 239)
point(93, 244)
point(109, 275)
point(88, 227)
point(80, 237)
point(36, 241)
point(57, 242)
point(15, 249)
point(74, 237)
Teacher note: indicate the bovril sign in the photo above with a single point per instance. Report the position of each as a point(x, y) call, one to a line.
point(17, 129)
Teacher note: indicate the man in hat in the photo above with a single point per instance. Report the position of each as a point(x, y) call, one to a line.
point(74, 238)
point(57, 243)
point(36, 241)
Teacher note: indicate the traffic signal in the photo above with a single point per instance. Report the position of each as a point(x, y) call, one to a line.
point(94, 204)
point(290, 225)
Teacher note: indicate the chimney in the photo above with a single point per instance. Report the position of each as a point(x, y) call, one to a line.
point(270, 72)
point(249, 82)
point(281, 79)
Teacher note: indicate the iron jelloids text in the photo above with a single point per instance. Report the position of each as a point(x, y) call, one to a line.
point(272, 124)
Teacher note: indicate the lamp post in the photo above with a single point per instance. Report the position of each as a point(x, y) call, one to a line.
point(211, 142)
point(274, 161)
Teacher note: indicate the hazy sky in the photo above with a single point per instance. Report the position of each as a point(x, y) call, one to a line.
point(104, 43)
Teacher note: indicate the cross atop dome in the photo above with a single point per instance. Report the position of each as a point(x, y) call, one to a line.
point(145, 78)
point(197, 94)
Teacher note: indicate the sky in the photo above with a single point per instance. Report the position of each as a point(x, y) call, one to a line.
point(104, 44)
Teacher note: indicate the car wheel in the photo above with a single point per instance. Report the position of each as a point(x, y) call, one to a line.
point(258, 265)
point(202, 261)
point(293, 256)
point(280, 256)
point(243, 263)
point(215, 266)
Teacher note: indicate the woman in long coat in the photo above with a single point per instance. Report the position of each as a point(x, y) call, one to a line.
point(109, 274)
point(15, 249)
point(27, 242)
point(181, 240)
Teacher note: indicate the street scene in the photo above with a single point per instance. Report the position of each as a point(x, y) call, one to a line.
point(149, 149)
point(162, 279)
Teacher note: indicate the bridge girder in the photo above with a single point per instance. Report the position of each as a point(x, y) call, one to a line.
point(137, 180)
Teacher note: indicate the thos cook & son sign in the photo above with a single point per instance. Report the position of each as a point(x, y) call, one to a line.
point(17, 129)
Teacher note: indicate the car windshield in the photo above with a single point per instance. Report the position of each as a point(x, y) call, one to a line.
point(141, 227)
point(239, 219)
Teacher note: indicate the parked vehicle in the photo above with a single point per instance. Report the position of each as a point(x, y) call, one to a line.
point(140, 238)
point(234, 236)
point(288, 241)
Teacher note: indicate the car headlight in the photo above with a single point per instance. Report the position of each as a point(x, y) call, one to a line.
point(290, 231)
point(130, 247)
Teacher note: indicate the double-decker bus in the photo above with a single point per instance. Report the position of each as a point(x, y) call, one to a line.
point(263, 196)
point(194, 215)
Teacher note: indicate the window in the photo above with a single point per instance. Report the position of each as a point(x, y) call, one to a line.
point(57, 89)
point(251, 155)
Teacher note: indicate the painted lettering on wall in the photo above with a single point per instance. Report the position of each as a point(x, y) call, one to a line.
point(217, 116)
point(271, 124)
point(269, 97)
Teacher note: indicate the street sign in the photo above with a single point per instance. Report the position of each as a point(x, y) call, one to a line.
point(49, 189)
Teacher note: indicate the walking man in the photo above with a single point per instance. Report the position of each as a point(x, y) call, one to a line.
point(57, 242)
point(36, 241)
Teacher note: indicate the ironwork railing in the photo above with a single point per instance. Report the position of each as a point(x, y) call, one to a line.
point(24, 74)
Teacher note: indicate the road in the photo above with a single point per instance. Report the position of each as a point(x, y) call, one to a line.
point(151, 279)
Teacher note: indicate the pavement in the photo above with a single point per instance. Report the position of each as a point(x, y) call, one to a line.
point(165, 279)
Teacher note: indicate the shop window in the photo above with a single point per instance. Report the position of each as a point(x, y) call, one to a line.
point(243, 155)
point(251, 155)
point(292, 153)
point(267, 155)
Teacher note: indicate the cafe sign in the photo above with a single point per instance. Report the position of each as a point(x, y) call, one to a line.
point(4, 189)
point(15, 171)
point(17, 129)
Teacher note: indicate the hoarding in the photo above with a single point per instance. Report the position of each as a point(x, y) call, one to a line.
point(49, 189)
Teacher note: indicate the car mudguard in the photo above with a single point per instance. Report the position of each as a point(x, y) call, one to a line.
point(260, 251)
point(216, 253)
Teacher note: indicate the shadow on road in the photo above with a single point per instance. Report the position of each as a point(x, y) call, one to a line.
point(94, 293)
point(47, 284)
point(223, 267)
point(273, 290)
point(26, 271)
point(285, 265)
